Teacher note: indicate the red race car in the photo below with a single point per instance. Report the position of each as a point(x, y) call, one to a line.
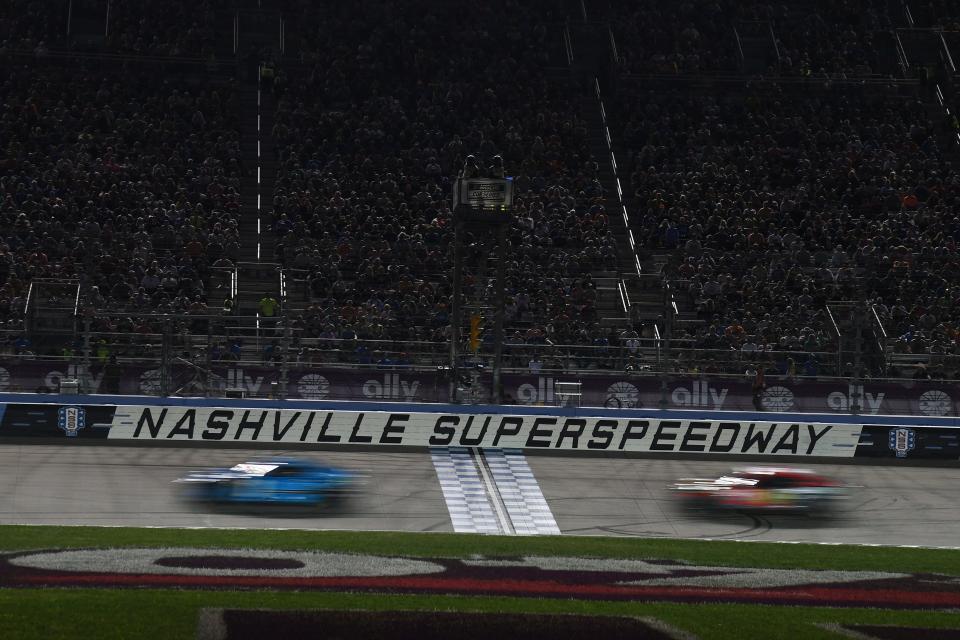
point(763, 489)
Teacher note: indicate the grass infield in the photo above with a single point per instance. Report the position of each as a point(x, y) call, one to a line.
point(159, 613)
point(458, 545)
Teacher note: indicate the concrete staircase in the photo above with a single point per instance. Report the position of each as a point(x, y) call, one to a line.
point(643, 295)
point(258, 273)
point(758, 47)
point(88, 24)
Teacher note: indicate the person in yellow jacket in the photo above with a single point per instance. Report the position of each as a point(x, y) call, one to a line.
point(268, 306)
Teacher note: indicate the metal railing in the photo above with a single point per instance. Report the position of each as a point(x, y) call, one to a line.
point(613, 47)
point(28, 306)
point(951, 117)
point(836, 332)
point(743, 59)
point(948, 57)
point(153, 338)
point(878, 327)
point(902, 55)
point(215, 356)
point(776, 46)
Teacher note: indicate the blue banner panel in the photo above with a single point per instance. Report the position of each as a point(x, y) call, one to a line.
point(56, 420)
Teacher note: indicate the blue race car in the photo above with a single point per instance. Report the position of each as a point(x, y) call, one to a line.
point(284, 481)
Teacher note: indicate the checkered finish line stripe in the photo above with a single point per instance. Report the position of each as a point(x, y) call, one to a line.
point(471, 510)
point(520, 493)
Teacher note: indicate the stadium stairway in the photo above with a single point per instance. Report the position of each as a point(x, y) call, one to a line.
point(87, 24)
point(943, 130)
point(637, 287)
point(256, 240)
point(249, 143)
point(757, 46)
point(610, 308)
point(644, 295)
point(258, 41)
point(258, 274)
point(922, 47)
point(225, 39)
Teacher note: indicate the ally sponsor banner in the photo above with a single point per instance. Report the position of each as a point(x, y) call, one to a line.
point(621, 391)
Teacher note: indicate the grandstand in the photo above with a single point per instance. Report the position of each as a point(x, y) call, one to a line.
point(702, 188)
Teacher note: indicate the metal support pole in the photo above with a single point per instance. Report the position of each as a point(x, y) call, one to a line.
point(856, 401)
point(208, 359)
point(667, 324)
point(284, 358)
point(856, 394)
point(86, 355)
point(165, 360)
point(498, 311)
point(859, 319)
point(667, 333)
point(455, 308)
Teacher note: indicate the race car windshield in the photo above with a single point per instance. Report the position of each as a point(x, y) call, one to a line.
point(737, 479)
point(254, 469)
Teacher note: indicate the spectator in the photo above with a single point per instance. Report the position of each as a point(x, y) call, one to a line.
point(268, 306)
point(535, 365)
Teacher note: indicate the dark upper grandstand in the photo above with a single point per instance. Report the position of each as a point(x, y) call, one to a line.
point(700, 186)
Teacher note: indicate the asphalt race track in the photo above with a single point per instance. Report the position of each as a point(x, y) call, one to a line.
point(893, 505)
point(131, 486)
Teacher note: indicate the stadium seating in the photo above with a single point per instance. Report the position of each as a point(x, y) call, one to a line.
point(363, 193)
point(766, 207)
point(127, 185)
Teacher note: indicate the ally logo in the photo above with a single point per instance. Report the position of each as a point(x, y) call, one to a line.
point(902, 441)
point(71, 420)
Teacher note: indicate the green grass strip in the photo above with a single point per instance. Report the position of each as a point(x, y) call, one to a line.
point(107, 614)
point(722, 553)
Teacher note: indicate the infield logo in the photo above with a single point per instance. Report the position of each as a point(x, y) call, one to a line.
point(902, 441)
point(71, 420)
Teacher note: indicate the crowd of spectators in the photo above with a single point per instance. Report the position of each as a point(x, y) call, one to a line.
point(172, 28)
point(368, 144)
point(27, 24)
point(690, 37)
point(169, 28)
point(768, 205)
point(943, 14)
point(836, 38)
point(126, 184)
